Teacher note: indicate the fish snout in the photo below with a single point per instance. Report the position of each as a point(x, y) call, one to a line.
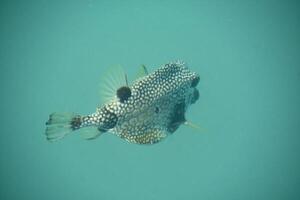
point(196, 96)
point(195, 80)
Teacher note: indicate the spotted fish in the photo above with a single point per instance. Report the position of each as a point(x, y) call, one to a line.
point(145, 112)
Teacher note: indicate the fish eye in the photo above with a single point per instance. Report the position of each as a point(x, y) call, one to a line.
point(123, 93)
point(195, 81)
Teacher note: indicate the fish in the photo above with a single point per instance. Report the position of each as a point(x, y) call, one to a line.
point(145, 111)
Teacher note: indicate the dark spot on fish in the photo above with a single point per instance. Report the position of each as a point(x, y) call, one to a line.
point(110, 120)
point(102, 130)
point(196, 96)
point(123, 93)
point(177, 117)
point(75, 123)
point(195, 81)
point(50, 120)
point(156, 110)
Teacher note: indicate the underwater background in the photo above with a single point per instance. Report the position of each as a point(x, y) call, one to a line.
point(53, 54)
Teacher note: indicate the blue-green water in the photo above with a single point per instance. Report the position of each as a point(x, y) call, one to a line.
point(52, 54)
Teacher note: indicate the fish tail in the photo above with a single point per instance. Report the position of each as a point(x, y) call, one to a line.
point(61, 124)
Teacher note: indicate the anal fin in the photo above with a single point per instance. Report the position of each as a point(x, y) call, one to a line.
point(90, 133)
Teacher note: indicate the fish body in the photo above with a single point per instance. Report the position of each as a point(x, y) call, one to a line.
point(146, 112)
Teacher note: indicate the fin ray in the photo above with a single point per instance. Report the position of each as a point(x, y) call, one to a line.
point(59, 125)
point(142, 71)
point(194, 126)
point(90, 133)
point(111, 80)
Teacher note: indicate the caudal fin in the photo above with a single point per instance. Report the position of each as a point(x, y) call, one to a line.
point(60, 124)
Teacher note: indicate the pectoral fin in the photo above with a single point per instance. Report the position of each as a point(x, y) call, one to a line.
point(194, 126)
point(111, 80)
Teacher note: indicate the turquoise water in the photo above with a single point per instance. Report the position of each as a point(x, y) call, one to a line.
point(246, 52)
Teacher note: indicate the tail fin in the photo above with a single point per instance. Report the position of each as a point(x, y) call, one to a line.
point(60, 124)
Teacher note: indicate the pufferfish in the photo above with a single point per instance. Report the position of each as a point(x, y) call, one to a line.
point(144, 112)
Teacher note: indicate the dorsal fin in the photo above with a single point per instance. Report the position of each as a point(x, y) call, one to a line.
point(111, 80)
point(142, 71)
